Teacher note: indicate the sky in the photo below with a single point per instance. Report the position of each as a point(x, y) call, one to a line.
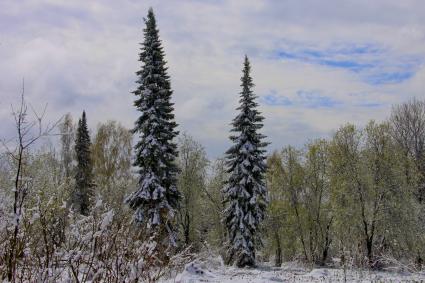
point(316, 64)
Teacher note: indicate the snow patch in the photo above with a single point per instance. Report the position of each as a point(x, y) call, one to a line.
point(107, 219)
point(195, 272)
point(210, 270)
point(318, 273)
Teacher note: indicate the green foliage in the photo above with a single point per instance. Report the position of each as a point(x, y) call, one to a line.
point(213, 204)
point(299, 212)
point(350, 197)
point(67, 139)
point(193, 163)
point(111, 155)
point(369, 189)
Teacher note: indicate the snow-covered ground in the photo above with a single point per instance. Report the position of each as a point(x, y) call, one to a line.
point(215, 271)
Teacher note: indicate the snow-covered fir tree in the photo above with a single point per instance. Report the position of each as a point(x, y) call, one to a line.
point(156, 197)
point(83, 193)
point(245, 193)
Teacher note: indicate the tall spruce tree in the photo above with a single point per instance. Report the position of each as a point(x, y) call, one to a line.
point(156, 197)
point(83, 192)
point(245, 193)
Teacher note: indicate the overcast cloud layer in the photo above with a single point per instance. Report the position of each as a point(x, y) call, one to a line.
point(316, 64)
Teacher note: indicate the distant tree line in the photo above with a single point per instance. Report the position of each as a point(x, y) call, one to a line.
point(356, 197)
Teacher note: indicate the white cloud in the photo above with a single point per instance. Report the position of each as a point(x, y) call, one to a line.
point(82, 55)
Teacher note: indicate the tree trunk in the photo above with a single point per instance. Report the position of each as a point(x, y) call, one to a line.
point(327, 244)
point(187, 229)
point(369, 241)
point(278, 255)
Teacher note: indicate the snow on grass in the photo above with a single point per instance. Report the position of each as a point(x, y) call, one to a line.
point(212, 270)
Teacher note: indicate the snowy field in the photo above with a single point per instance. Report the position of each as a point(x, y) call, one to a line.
point(215, 271)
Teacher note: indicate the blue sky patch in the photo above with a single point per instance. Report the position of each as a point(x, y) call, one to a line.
point(373, 64)
point(273, 99)
point(390, 78)
point(346, 64)
point(371, 104)
point(303, 98)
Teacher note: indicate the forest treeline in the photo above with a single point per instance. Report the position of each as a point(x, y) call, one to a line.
point(79, 205)
point(354, 199)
